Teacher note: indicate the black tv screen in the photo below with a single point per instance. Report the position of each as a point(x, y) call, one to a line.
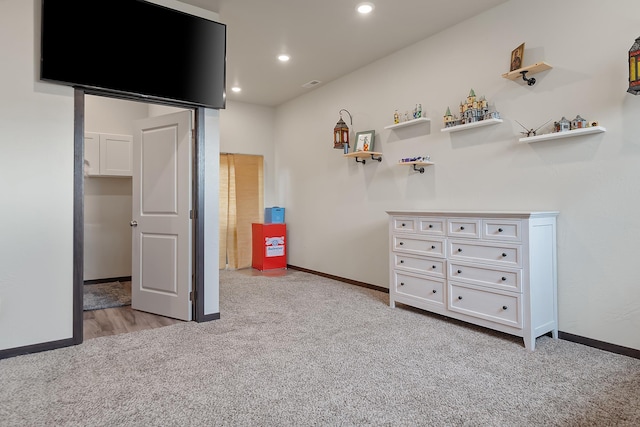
point(134, 47)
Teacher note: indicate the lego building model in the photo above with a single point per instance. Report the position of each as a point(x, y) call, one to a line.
point(473, 110)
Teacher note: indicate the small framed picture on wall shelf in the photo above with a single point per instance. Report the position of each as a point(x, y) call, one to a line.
point(364, 140)
point(517, 58)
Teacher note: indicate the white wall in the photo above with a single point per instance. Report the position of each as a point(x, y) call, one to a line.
point(249, 129)
point(336, 208)
point(36, 184)
point(107, 234)
point(211, 207)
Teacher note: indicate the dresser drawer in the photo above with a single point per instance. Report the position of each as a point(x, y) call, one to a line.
point(432, 226)
point(505, 308)
point(506, 279)
point(405, 225)
point(419, 245)
point(499, 254)
point(423, 288)
point(431, 266)
point(501, 229)
point(464, 227)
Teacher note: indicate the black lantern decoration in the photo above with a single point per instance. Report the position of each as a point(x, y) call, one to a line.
point(634, 72)
point(341, 133)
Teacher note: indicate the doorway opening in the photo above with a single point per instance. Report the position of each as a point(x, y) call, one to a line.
point(196, 208)
point(241, 202)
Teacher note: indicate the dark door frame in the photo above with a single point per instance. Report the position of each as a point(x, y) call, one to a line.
point(78, 207)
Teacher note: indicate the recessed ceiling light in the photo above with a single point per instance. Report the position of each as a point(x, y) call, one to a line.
point(365, 8)
point(283, 58)
point(236, 89)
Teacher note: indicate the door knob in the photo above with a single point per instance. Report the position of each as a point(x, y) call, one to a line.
point(133, 223)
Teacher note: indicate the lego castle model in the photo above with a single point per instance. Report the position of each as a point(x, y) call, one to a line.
point(473, 110)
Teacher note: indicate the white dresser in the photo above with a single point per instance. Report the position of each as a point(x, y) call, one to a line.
point(493, 269)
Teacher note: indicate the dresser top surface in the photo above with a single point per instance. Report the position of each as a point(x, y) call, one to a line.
point(482, 214)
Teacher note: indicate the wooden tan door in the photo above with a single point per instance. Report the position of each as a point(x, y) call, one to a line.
point(241, 204)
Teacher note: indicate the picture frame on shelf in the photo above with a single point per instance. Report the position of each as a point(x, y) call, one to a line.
point(517, 58)
point(365, 140)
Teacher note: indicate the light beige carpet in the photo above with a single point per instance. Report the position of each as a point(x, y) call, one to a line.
point(300, 350)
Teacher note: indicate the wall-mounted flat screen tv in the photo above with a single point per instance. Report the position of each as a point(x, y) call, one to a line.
point(134, 47)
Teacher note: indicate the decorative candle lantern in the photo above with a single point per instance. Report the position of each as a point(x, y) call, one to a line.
point(341, 133)
point(634, 72)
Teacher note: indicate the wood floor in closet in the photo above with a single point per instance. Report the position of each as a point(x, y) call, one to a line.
point(120, 320)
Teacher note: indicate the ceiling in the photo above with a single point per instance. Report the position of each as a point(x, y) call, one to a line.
point(326, 39)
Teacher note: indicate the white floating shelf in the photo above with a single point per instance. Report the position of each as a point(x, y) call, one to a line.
point(481, 123)
point(408, 123)
point(565, 134)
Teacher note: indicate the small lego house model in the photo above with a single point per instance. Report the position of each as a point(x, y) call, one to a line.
point(578, 123)
point(563, 125)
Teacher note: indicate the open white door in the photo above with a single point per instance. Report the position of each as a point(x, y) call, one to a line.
point(161, 223)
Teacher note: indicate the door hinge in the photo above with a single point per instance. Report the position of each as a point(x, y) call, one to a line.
point(192, 296)
point(191, 214)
